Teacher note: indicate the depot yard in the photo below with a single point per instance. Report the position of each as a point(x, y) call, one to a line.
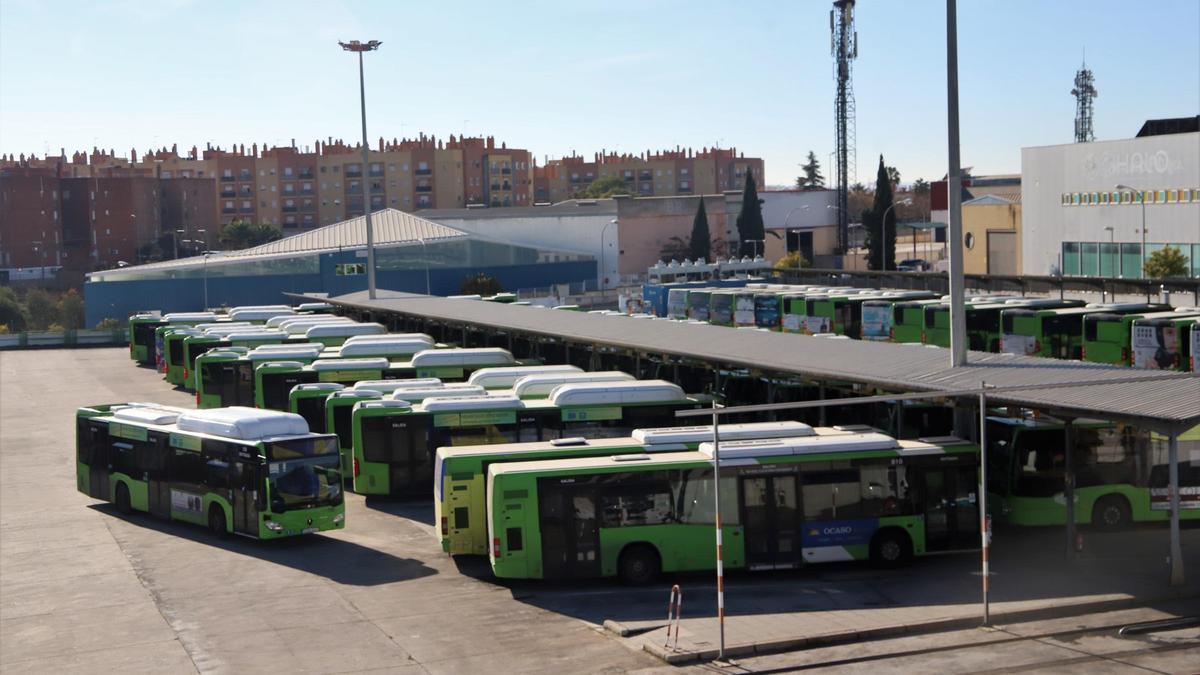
point(84, 588)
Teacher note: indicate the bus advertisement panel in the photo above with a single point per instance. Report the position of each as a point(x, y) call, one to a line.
point(877, 320)
point(744, 309)
point(1194, 345)
point(766, 310)
point(1156, 345)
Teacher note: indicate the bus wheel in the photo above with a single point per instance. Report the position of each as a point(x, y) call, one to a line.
point(1111, 513)
point(639, 565)
point(216, 521)
point(122, 499)
point(890, 548)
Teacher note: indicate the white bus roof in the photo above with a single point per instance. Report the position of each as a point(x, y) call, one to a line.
point(258, 335)
point(280, 364)
point(344, 329)
point(276, 321)
point(351, 364)
point(732, 432)
point(242, 423)
point(609, 393)
point(481, 356)
point(147, 415)
point(220, 324)
point(383, 403)
point(808, 445)
point(224, 352)
point(191, 317)
point(241, 308)
point(457, 390)
point(506, 376)
point(541, 384)
point(267, 352)
point(259, 314)
point(424, 383)
point(319, 386)
point(401, 347)
point(312, 306)
point(357, 393)
point(355, 339)
point(381, 386)
point(464, 297)
point(437, 405)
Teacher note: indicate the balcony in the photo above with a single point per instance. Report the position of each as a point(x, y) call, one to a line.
point(246, 209)
point(228, 192)
point(376, 173)
point(424, 188)
point(505, 171)
point(685, 189)
point(495, 186)
point(645, 175)
point(424, 172)
point(246, 176)
point(226, 179)
point(290, 209)
point(377, 187)
point(307, 192)
point(307, 173)
point(506, 187)
point(228, 209)
point(576, 179)
point(356, 190)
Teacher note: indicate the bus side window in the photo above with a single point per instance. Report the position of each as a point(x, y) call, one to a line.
point(187, 467)
point(216, 464)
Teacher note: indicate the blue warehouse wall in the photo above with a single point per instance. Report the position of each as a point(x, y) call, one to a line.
point(119, 299)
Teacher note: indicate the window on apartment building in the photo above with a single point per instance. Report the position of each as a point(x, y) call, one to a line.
point(404, 167)
point(229, 204)
point(287, 171)
point(337, 169)
point(289, 188)
point(422, 166)
point(322, 169)
point(227, 173)
point(247, 204)
point(307, 187)
point(263, 204)
point(262, 187)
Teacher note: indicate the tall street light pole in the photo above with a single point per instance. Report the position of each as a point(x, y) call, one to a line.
point(883, 233)
point(958, 319)
point(1141, 197)
point(359, 48)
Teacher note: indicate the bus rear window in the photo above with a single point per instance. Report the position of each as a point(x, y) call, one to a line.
point(301, 447)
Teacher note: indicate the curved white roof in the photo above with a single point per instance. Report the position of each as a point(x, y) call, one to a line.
point(243, 308)
point(357, 393)
point(804, 445)
point(220, 325)
point(313, 306)
point(610, 393)
point(423, 383)
point(481, 356)
point(355, 339)
point(319, 386)
point(189, 317)
point(457, 390)
point(351, 364)
point(383, 403)
point(224, 353)
point(147, 415)
point(343, 329)
point(541, 384)
point(267, 352)
point(381, 386)
point(279, 321)
point(242, 423)
point(259, 314)
point(279, 364)
point(464, 297)
point(506, 376)
point(391, 347)
point(473, 403)
point(300, 326)
point(258, 335)
point(731, 432)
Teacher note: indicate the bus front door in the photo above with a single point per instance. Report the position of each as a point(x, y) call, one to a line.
point(570, 532)
point(98, 471)
point(246, 481)
point(158, 487)
point(771, 520)
point(951, 508)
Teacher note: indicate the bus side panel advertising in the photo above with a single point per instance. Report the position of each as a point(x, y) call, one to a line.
point(1023, 345)
point(1155, 347)
point(876, 322)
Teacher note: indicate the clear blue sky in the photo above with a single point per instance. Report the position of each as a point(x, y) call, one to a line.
point(555, 77)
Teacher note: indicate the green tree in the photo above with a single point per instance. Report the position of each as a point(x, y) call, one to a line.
point(241, 234)
point(70, 310)
point(750, 221)
point(481, 284)
point(676, 248)
point(41, 309)
point(880, 223)
point(699, 244)
point(920, 186)
point(812, 178)
point(605, 186)
point(893, 176)
point(12, 313)
point(1165, 263)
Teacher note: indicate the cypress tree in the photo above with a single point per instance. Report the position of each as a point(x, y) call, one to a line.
point(700, 244)
point(880, 223)
point(750, 220)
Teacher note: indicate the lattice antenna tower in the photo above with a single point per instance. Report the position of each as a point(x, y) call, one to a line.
point(844, 48)
point(1084, 92)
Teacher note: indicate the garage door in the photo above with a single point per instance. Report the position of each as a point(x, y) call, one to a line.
point(1002, 252)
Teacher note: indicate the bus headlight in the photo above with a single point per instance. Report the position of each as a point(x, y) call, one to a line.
point(273, 526)
point(339, 519)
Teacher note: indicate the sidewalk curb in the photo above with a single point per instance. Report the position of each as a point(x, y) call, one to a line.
point(936, 626)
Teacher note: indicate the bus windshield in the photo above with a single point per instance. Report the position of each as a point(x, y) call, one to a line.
point(303, 472)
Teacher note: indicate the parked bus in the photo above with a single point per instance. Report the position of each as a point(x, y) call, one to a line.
point(1056, 333)
point(698, 303)
point(1162, 344)
point(767, 310)
point(1194, 347)
point(1107, 337)
point(983, 321)
point(1114, 467)
point(908, 319)
point(720, 307)
point(460, 473)
point(334, 334)
point(274, 381)
point(394, 447)
point(785, 503)
point(225, 377)
point(170, 322)
point(172, 353)
point(141, 337)
point(251, 472)
point(843, 314)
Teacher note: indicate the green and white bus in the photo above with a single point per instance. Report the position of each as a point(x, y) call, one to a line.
point(1162, 344)
point(273, 381)
point(1055, 333)
point(141, 337)
point(1115, 469)
point(1107, 338)
point(1194, 347)
point(983, 321)
point(225, 377)
point(334, 334)
point(785, 503)
point(251, 472)
point(460, 473)
point(394, 446)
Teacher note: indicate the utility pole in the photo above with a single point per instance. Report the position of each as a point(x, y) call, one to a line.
point(958, 319)
point(359, 48)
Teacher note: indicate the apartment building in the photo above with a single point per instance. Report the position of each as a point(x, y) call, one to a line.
point(681, 171)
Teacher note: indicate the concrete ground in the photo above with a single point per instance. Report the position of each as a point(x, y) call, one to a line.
point(84, 589)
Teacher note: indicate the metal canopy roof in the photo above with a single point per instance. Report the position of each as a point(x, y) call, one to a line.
point(1172, 402)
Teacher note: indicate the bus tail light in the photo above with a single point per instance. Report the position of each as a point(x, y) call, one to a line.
point(1037, 346)
point(496, 547)
point(197, 398)
point(185, 373)
point(892, 334)
point(1124, 356)
point(445, 526)
point(356, 470)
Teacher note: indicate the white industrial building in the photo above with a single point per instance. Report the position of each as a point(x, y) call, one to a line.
point(1083, 203)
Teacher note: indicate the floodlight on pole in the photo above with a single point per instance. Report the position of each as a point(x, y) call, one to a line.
point(359, 48)
point(883, 232)
point(1142, 198)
